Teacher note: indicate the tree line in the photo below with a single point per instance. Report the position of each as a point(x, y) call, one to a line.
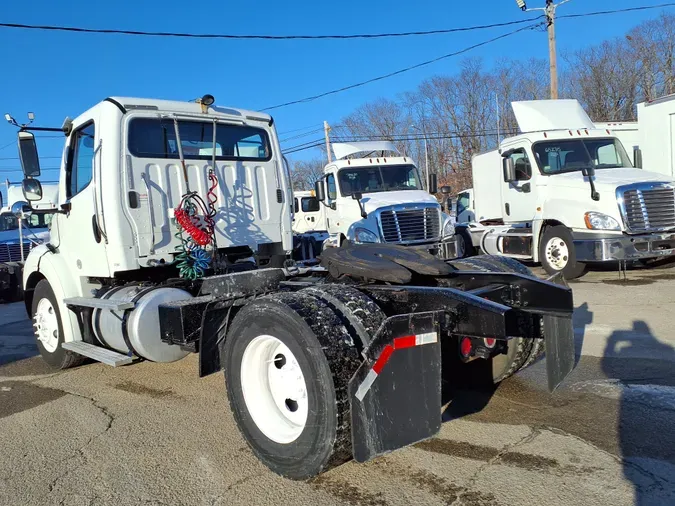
point(457, 114)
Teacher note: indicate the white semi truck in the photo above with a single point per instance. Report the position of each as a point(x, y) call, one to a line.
point(173, 236)
point(21, 228)
point(565, 194)
point(380, 199)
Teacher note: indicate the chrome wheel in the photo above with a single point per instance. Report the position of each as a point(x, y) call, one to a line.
point(557, 253)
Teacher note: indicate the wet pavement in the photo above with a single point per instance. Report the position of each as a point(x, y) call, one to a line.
point(157, 434)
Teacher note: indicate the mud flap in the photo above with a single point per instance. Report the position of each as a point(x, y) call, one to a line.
point(559, 339)
point(395, 396)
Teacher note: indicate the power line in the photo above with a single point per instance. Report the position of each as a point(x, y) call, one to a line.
point(299, 136)
point(264, 37)
point(400, 71)
point(618, 11)
point(41, 158)
point(401, 137)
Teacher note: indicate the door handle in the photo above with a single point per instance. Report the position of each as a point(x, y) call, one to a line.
point(507, 207)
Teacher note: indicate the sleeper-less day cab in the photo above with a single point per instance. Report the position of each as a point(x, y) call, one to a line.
point(380, 198)
point(566, 194)
point(173, 236)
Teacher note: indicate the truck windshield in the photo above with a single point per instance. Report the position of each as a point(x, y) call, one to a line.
point(378, 178)
point(569, 155)
point(8, 222)
point(37, 220)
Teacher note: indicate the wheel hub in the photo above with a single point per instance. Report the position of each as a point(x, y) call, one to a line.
point(557, 253)
point(46, 325)
point(274, 389)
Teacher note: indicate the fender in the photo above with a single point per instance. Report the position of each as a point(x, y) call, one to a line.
point(53, 268)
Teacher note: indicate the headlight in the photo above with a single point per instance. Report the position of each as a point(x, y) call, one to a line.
point(448, 229)
point(362, 235)
point(600, 221)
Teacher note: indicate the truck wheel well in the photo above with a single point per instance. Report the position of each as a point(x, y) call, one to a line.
point(548, 223)
point(31, 283)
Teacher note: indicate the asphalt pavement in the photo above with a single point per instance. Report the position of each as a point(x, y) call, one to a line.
point(156, 434)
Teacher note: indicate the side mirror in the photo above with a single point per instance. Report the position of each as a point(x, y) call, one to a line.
point(28, 154)
point(446, 190)
point(296, 207)
point(509, 170)
point(357, 195)
point(637, 157)
point(588, 171)
point(32, 189)
point(21, 210)
point(433, 184)
point(319, 190)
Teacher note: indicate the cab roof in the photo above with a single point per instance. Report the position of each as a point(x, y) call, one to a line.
point(132, 103)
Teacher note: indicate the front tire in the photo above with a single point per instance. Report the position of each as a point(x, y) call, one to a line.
point(288, 359)
point(49, 329)
point(557, 253)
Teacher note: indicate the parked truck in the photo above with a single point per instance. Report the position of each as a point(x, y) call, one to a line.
point(158, 202)
point(380, 199)
point(565, 194)
point(21, 228)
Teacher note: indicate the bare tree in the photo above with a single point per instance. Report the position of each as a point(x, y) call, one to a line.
point(306, 173)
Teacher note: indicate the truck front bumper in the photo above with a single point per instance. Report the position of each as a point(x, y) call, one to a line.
point(607, 248)
point(447, 249)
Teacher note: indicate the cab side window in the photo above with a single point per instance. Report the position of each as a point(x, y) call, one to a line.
point(522, 165)
point(332, 190)
point(80, 160)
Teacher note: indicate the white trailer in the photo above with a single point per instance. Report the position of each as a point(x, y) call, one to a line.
point(565, 194)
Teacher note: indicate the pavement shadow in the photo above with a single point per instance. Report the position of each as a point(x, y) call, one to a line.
point(16, 342)
point(582, 318)
point(467, 388)
point(646, 409)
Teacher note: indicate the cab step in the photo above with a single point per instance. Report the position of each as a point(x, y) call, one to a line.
point(112, 305)
point(97, 353)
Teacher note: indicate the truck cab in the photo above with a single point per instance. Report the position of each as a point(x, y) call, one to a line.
point(309, 215)
point(380, 199)
point(568, 195)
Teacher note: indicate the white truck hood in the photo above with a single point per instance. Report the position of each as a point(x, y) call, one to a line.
point(373, 201)
point(608, 179)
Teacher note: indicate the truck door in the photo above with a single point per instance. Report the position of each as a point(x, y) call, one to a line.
point(312, 214)
point(519, 197)
point(332, 212)
point(81, 235)
point(465, 212)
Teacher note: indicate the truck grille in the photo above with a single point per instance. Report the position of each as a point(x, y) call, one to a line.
point(410, 225)
point(12, 252)
point(650, 208)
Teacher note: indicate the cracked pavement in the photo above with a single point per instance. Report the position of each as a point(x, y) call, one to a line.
point(156, 434)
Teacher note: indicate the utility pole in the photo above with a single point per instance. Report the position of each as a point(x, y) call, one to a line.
point(326, 129)
point(549, 12)
point(426, 151)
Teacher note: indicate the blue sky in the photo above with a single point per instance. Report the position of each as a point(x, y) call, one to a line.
point(56, 74)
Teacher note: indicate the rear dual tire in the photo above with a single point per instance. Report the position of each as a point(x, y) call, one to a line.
point(288, 359)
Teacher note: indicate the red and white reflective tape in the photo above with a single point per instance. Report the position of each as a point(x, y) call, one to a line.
point(398, 344)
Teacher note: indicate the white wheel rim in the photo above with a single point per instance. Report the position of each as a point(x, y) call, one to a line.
point(46, 325)
point(557, 253)
point(274, 389)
